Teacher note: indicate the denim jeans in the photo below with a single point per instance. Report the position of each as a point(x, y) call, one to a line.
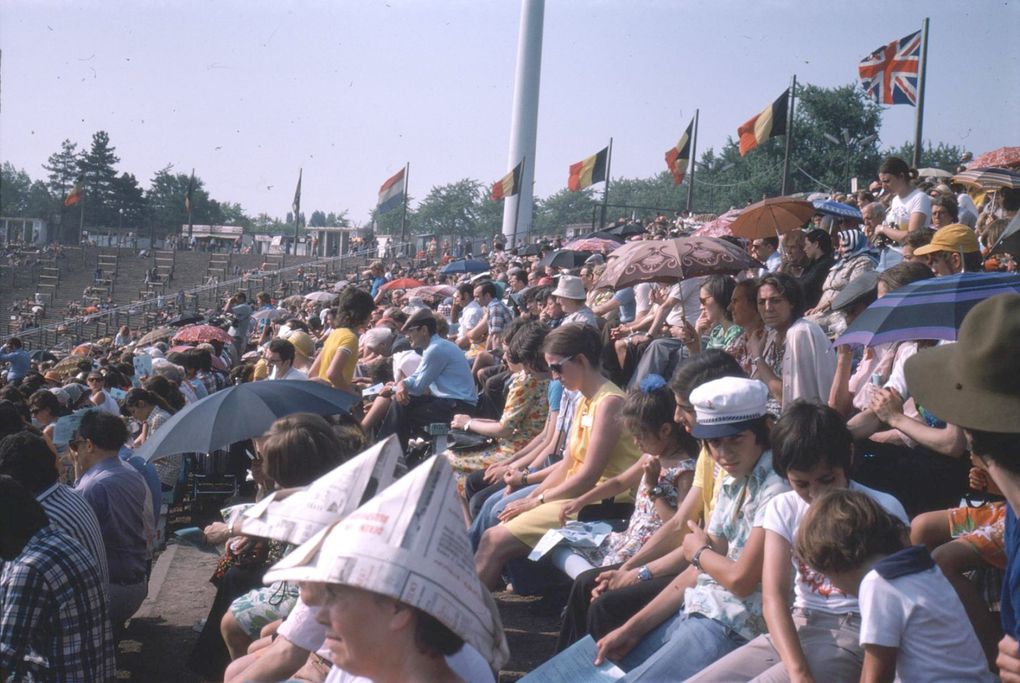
point(684, 646)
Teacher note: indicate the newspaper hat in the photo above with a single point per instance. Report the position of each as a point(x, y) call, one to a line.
point(728, 406)
point(295, 515)
point(408, 543)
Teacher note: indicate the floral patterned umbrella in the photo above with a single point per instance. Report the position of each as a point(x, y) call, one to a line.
point(674, 259)
point(198, 334)
point(719, 227)
point(1004, 157)
point(595, 244)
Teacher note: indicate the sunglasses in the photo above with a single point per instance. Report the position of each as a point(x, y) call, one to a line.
point(558, 367)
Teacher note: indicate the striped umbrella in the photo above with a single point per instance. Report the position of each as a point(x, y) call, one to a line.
point(927, 309)
point(989, 178)
point(830, 207)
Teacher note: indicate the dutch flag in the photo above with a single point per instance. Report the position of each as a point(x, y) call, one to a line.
point(391, 194)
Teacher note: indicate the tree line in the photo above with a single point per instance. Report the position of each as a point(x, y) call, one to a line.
point(836, 137)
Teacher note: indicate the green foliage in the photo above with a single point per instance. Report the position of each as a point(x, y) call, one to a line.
point(946, 157)
point(449, 209)
point(558, 210)
point(63, 169)
point(97, 169)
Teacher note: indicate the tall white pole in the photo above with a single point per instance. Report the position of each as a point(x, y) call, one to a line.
point(524, 119)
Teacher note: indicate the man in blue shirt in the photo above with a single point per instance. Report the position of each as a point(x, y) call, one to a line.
point(972, 384)
point(17, 358)
point(441, 387)
point(118, 496)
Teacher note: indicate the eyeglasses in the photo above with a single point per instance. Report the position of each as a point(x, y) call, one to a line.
point(558, 367)
point(274, 361)
point(94, 379)
point(74, 444)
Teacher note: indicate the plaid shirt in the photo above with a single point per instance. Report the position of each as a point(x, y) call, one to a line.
point(499, 316)
point(54, 623)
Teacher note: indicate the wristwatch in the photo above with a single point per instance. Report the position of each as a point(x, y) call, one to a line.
point(696, 560)
point(656, 492)
point(644, 573)
point(541, 498)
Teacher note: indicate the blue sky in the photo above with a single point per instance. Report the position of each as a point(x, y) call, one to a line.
point(249, 92)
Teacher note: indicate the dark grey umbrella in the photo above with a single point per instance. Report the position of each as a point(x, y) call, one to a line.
point(565, 258)
point(239, 413)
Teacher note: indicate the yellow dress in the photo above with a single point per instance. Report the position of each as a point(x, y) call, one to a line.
point(340, 338)
point(530, 526)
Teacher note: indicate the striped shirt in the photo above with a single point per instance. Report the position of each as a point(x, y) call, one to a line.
point(54, 619)
point(71, 513)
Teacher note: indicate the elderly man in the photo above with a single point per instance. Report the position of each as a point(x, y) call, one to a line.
point(793, 257)
point(571, 295)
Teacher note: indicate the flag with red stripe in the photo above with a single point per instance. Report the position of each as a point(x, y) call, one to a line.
point(76, 194)
point(889, 74)
point(391, 194)
point(589, 171)
point(508, 185)
point(678, 157)
point(768, 123)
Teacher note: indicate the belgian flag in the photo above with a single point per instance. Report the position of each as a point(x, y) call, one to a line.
point(588, 172)
point(189, 193)
point(769, 123)
point(76, 193)
point(508, 185)
point(678, 157)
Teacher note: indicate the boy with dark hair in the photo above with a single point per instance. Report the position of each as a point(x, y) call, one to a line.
point(813, 450)
point(913, 627)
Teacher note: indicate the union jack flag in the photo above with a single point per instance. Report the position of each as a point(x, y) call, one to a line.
point(889, 74)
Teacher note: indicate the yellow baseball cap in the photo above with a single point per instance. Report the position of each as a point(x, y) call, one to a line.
point(955, 238)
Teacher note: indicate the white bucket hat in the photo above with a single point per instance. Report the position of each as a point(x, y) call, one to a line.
point(570, 287)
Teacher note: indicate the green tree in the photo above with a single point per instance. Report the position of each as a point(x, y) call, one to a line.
point(63, 169)
point(165, 197)
point(657, 193)
point(129, 200)
point(318, 220)
point(389, 222)
point(15, 185)
point(560, 209)
point(946, 157)
point(337, 219)
point(449, 209)
point(97, 168)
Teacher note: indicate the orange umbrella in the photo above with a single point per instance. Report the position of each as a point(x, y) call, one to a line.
point(401, 283)
point(772, 217)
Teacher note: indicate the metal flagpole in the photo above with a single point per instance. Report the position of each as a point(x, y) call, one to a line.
point(403, 216)
point(517, 206)
point(921, 69)
point(789, 135)
point(605, 191)
point(691, 164)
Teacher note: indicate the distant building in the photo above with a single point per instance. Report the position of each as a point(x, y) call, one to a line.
point(23, 231)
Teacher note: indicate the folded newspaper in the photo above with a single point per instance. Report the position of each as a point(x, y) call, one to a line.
point(577, 535)
point(409, 543)
point(295, 515)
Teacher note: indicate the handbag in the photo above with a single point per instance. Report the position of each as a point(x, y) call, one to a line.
point(463, 440)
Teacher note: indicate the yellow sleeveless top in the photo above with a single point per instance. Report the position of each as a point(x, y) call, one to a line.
point(624, 454)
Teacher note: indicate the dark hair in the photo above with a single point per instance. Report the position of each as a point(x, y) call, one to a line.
point(44, 399)
point(139, 395)
point(14, 343)
point(432, 637)
point(720, 288)
point(575, 339)
point(821, 238)
point(948, 202)
point(1002, 447)
point(489, 288)
point(809, 434)
point(973, 261)
point(108, 432)
point(897, 167)
point(843, 528)
point(11, 419)
point(283, 348)
point(904, 273)
point(653, 405)
point(202, 359)
point(918, 238)
point(466, 290)
point(353, 308)
point(771, 241)
point(28, 458)
point(710, 364)
point(526, 346)
point(21, 516)
point(788, 288)
point(1010, 197)
point(518, 274)
point(168, 390)
point(300, 448)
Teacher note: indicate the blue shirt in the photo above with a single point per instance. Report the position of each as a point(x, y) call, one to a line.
point(628, 304)
point(1010, 603)
point(19, 360)
point(151, 477)
point(444, 371)
point(116, 493)
point(376, 284)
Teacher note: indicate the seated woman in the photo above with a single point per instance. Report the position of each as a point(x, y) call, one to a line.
point(662, 477)
point(714, 328)
point(338, 358)
point(523, 418)
point(600, 447)
point(853, 260)
point(722, 611)
point(818, 250)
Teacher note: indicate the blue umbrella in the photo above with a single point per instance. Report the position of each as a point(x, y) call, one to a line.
point(241, 412)
point(838, 209)
point(927, 309)
point(465, 266)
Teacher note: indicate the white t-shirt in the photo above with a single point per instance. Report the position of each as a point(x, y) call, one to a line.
point(921, 615)
point(466, 663)
point(812, 590)
point(301, 629)
point(292, 373)
point(687, 292)
point(471, 315)
point(900, 209)
point(642, 298)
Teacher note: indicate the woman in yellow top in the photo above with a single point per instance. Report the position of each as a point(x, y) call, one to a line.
point(339, 355)
point(599, 448)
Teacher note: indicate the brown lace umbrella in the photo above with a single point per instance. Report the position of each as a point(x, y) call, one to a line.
point(158, 334)
point(672, 260)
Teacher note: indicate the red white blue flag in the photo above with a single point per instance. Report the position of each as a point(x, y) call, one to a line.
point(391, 194)
point(889, 74)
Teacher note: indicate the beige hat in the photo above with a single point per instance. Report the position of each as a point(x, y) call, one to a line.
point(570, 287)
point(303, 343)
